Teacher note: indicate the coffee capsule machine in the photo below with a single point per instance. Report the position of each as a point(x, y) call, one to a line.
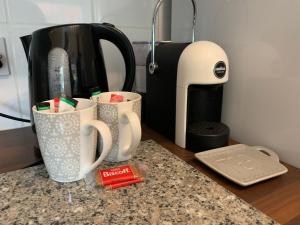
point(185, 90)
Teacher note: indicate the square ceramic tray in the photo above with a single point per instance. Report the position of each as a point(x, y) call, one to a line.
point(243, 164)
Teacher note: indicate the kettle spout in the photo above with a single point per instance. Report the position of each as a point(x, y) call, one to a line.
point(26, 40)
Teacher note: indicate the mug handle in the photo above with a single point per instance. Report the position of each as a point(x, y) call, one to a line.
point(85, 154)
point(136, 131)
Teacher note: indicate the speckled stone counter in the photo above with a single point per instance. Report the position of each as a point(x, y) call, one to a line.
point(173, 193)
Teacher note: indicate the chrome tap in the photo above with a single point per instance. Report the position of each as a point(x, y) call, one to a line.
point(153, 65)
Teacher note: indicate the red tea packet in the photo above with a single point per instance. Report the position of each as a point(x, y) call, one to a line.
point(56, 104)
point(116, 98)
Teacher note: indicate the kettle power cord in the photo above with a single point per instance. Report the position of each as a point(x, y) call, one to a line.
point(14, 118)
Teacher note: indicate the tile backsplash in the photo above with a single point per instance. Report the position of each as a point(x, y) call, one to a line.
point(22, 17)
point(2, 12)
point(129, 13)
point(49, 12)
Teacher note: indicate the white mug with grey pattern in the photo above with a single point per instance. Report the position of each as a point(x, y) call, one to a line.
point(124, 121)
point(68, 140)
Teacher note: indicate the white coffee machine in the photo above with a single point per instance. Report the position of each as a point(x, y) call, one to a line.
point(203, 65)
point(184, 86)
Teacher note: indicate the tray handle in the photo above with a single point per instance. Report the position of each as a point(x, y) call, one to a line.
point(267, 152)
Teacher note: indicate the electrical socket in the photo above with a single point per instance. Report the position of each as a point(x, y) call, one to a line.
point(4, 70)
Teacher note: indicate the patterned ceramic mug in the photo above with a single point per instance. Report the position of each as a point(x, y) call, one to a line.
point(124, 121)
point(68, 141)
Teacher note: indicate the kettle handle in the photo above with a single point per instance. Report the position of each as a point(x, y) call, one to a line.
point(108, 32)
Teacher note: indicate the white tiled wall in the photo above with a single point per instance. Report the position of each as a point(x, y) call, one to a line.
point(2, 12)
point(261, 100)
point(49, 12)
point(9, 98)
point(21, 17)
point(129, 13)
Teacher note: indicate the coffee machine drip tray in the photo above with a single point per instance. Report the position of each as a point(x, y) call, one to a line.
point(206, 135)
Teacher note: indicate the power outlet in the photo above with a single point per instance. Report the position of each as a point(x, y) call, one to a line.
point(4, 66)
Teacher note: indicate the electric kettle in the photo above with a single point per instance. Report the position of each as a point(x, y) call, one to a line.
point(68, 60)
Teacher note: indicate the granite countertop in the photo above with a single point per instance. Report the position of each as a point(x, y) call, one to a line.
point(173, 193)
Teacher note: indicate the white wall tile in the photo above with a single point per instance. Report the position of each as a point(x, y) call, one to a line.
point(2, 12)
point(125, 13)
point(20, 64)
point(49, 12)
point(9, 103)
